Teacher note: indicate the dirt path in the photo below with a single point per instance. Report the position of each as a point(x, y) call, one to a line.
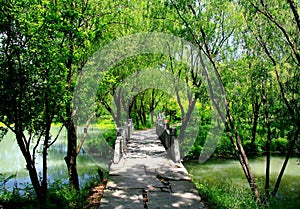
point(97, 193)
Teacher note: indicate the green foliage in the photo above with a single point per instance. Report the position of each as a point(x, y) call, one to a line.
point(253, 148)
point(195, 152)
point(17, 198)
point(100, 141)
point(59, 195)
point(224, 195)
point(280, 145)
point(253, 45)
point(225, 148)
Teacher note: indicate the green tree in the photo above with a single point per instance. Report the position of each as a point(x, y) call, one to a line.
point(81, 28)
point(276, 30)
point(31, 91)
point(210, 24)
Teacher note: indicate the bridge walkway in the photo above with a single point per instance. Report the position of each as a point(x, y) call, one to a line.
point(145, 177)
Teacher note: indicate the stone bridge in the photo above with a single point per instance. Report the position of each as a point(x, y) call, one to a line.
point(145, 175)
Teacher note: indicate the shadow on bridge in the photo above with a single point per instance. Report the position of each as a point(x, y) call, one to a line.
point(143, 175)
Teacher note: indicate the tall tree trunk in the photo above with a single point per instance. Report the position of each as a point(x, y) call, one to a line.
point(30, 167)
point(287, 157)
point(186, 118)
point(44, 183)
point(143, 112)
point(227, 119)
point(230, 126)
point(255, 108)
point(71, 157)
point(29, 161)
point(136, 122)
point(268, 143)
point(294, 114)
point(117, 100)
point(20, 135)
point(152, 106)
point(48, 118)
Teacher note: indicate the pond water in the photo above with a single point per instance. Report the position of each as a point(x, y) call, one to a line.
point(215, 172)
point(12, 161)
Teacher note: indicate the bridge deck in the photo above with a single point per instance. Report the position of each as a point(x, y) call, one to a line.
point(146, 178)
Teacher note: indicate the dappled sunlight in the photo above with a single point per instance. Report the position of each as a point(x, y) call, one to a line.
point(145, 175)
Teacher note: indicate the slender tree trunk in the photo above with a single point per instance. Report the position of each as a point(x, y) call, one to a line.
point(293, 113)
point(268, 143)
point(152, 106)
point(230, 127)
point(255, 107)
point(20, 135)
point(70, 159)
point(295, 118)
point(186, 119)
point(48, 118)
point(30, 167)
point(137, 123)
point(44, 183)
point(117, 99)
point(143, 112)
point(287, 157)
point(29, 164)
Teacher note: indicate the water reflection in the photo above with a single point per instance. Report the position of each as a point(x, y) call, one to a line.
point(12, 161)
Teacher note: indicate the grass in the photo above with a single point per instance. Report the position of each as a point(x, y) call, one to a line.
point(224, 186)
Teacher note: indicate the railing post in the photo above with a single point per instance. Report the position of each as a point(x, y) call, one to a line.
point(125, 128)
point(168, 134)
point(123, 134)
point(119, 131)
point(168, 137)
point(117, 154)
point(119, 145)
point(173, 131)
point(130, 128)
point(176, 151)
point(158, 122)
point(174, 145)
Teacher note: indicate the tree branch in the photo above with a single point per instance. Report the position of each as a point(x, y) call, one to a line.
point(282, 29)
point(295, 12)
point(87, 124)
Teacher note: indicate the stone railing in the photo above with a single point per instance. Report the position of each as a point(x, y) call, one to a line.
point(168, 137)
point(123, 135)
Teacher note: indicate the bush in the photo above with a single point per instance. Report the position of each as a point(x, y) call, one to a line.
point(60, 195)
point(281, 145)
point(194, 153)
point(252, 148)
point(225, 147)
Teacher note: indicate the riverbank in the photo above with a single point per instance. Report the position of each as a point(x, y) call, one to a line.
point(222, 183)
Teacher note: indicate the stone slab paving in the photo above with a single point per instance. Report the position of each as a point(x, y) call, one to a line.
point(157, 200)
point(146, 178)
point(122, 199)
